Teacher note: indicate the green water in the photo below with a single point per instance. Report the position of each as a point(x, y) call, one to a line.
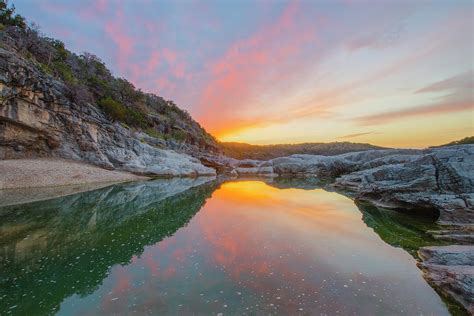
point(189, 246)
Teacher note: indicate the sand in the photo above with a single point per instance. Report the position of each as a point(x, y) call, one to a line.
point(47, 172)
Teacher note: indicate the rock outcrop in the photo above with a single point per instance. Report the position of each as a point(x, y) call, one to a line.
point(38, 118)
point(438, 179)
point(451, 269)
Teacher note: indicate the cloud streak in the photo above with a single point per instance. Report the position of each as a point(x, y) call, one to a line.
point(433, 109)
point(356, 135)
point(459, 98)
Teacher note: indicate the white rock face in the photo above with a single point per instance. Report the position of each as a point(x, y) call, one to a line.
point(152, 161)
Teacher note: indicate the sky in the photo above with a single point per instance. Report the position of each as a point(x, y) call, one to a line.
point(391, 73)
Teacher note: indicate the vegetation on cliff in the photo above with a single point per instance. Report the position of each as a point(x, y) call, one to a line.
point(90, 81)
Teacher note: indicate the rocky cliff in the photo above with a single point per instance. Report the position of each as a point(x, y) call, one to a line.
point(38, 118)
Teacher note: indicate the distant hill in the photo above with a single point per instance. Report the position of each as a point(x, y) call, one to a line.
point(265, 152)
point(464, 141)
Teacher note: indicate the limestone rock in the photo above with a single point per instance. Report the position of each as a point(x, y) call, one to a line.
point(38, 119)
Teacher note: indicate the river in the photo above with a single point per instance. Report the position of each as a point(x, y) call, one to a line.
point(193, 246)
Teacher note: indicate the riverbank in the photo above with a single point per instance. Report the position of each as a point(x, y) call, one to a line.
point(49, 172)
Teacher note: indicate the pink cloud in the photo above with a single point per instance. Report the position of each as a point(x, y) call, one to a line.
point(252, 66)
point(179, 70)
point(95, 9)
point(153, 61)
point(163, 83)
point(125, 43)
point(169, 55)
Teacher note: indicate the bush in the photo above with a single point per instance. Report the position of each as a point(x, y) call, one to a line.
point(64, 71)
point(116, 111)
point(45, 68)
point(154, 133)
point(136, 118)
point(113, 109)
point(178, 135)
point(98, 86)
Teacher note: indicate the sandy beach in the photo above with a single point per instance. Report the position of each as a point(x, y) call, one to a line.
point(48, 172)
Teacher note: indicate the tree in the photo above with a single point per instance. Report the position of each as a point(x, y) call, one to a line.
point(127, 92)
point(8, 16)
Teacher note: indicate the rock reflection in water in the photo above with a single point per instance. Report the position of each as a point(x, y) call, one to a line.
point(53, 249)
point(251, 248)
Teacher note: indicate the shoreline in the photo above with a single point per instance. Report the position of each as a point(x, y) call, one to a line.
point(53, 172)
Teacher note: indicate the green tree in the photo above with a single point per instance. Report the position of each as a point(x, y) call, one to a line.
point(8, 16)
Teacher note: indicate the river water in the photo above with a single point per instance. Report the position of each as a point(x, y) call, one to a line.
point(188, 246)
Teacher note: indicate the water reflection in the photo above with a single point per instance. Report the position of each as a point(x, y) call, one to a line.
point(251, 248)
point(53, 249)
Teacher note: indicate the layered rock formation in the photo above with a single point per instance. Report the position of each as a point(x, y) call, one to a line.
point(37, 118)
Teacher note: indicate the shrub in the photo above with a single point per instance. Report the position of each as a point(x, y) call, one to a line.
point(154, 133)
point(178, 135)
point(45, 68)
point(136, 118)
point(119, 112)
point(64, 71)
point(99, 86)
point(113, 109)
